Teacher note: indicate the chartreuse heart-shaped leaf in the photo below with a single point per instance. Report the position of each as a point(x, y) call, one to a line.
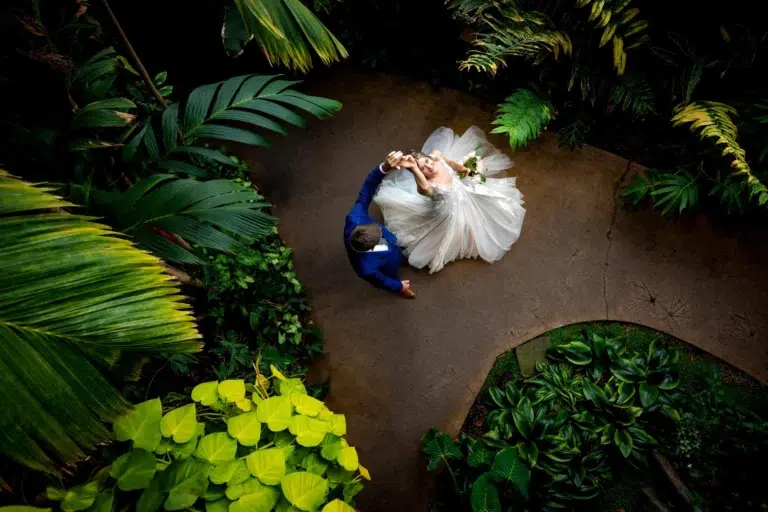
point(267, 465)
point(206, 393)
point(285, 506)
point(289, 387)
point(221, 505)
point(330, 447)
point(306, 405)
point(75, 498)
point(306, 491)
point(308, 431)
point(262, 499)
point(314, 464)
point(364, 472)
point(337, 506)
point(217, 448)
point(134, 470)
point(181, 424)
point(275, 412)
point(347, 458)
point(246, 428)
point(250, 486)
point(184, 481)
point(214, 492)
point(232, 390)
point(325, 414)
point(509, 467)
point(338, 424)
point(244, 404)
point(231, 473)
point(141, 425)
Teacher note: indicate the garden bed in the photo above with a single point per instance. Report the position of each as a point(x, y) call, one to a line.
point(706, 437)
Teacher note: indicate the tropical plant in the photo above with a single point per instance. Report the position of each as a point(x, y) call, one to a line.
point(79, 305)
point(567, 428)
point(522, 117)
point(285, 30)
point(573, 135)
point(259, 445)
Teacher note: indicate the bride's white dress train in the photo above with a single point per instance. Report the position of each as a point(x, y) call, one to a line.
point(466, 219)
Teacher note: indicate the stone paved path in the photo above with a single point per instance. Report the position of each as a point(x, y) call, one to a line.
point(399, 367)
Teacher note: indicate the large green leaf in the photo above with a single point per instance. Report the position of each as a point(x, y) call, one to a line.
point(648, 394)
point(623, 441)
point(181, 424)
point(217, 448)
point(348, 458)
point(76, 498)
point(308, 431)
point(337, 506)
point(268, 465)
point(258, 498)
point(306, 405)
point(438, 447)
point(507, 466)
point(141, 425)
point(231, 473)
point(276, 412)
point(134, 470)
point(201, 213)
point(289, 387)
point(184, 481)
point(206, 393)
point(306, 491)
point(485, 497)
point(74, 301)
point(246, 428)
point(284, 29)
point(232, 390)
point(576, 352)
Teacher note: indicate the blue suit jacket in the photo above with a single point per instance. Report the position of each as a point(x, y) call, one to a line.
point(378, 268)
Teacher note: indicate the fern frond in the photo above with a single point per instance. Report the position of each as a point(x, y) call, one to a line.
point(523, 116)
point(633, 94)
point(574, 134)
point(506, 31)
point(712, 120)
point(620, 25)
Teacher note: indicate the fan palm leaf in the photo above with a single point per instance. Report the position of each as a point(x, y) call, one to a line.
point(255, 103)
point(205, 214)
point(76, 304)
point(712, 120)
point(286, 30)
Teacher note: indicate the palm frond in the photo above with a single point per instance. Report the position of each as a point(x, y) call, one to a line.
point(75, 301)
point(620, 25)
point(633, 94)
point(506, 31)
point(523, 116)
point(679, 191)
point(640, 187)
point(712, 120)
point(205, 214)
point(286, 30)
point(256, 103)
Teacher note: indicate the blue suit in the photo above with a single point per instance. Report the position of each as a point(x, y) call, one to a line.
point(378, 268)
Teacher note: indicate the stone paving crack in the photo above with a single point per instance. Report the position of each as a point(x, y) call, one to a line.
point(610, 231)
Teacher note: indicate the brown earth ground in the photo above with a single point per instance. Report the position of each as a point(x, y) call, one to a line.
point(399, 367)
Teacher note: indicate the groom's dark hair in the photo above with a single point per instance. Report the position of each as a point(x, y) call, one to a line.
point(365, 237)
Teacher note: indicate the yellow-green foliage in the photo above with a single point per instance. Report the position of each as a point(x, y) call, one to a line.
point(712, 120)
point(523, 116)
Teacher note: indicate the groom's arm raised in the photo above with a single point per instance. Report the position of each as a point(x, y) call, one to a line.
point(373, 181)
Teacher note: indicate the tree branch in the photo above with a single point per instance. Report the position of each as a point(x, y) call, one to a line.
point(135, 57)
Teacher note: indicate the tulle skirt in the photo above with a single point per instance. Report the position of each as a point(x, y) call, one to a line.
point(464, 220)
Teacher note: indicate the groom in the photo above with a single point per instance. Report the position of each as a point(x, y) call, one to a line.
point(372, 249)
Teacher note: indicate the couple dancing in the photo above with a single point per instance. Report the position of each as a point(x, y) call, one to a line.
point(439, 205)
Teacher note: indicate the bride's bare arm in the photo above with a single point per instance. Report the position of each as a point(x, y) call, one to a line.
point(422, 183)
point(453, 165)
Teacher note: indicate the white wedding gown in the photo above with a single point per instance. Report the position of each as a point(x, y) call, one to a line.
point(466, 219)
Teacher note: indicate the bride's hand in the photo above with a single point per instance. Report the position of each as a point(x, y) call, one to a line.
point(408, 162)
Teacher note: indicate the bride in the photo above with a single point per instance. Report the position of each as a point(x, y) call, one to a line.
point(441, 210)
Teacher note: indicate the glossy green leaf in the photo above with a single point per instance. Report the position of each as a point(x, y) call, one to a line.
point(141, 425)
point(577, 353)
point(268, 465)
point(76, 498)
point(216, 448)
point(648, 394)
point(337, 506)
point(206, 393)
point(221, 505)
point(623, 441)
point(497, 395)
point(276, 412)
point(134, 470)
point(180, 424)
point(306, 491)
point(184, 482)
point(594, 393)
point(529, 451)
point(233, 472)
point(232, 390)
point(306, 405)
point(289, 387)
point(438, 447)
point(509, 467)
point(479, 454)
point(262, 499)
point(308, 431)
point(314, 463)
point(330, 447)
point(246, 428)
point(484, 496)
point(671, 412)
point(626, 392)
point(152, 498)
